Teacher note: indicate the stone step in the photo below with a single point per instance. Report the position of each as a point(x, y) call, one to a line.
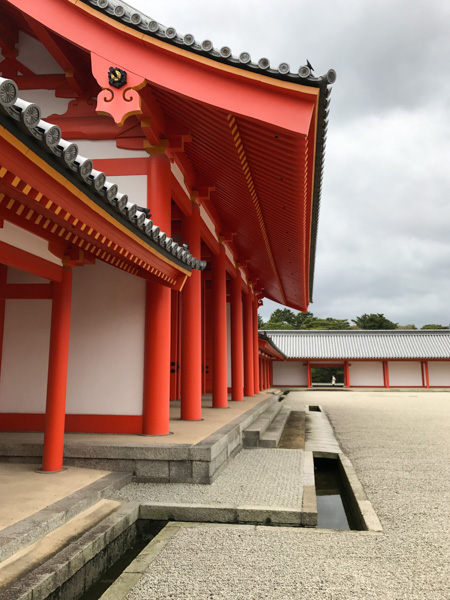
point(252, 434)
point(27, 531)
point(271, 437)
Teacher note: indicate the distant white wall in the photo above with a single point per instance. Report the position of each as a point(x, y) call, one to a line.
point(405, 373)
point(366, 373)
point(439, 372)
point(106, 356)
point(290, 373)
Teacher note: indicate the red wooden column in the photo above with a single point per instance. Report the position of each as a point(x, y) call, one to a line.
point(237, 365)
point(386, 373)
point(58, 360)
point(308, 370)
point(427, 375)
point(255, 346)
point(156, 400)
point(249, 382)
point(346, 375)
point(191, 325)
point(219, 283)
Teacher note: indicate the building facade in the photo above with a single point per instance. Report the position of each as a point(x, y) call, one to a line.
point(384, 359)
point(145, 181)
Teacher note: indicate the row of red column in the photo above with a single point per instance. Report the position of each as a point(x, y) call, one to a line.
point(265, 373)
point(156, 388)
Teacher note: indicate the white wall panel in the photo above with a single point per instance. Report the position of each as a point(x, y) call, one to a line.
point(290, 373)
point(106, 368)
point(26, 342)
point(18, 237)
point(366, 373)
point(439, 372)
point(405, 373)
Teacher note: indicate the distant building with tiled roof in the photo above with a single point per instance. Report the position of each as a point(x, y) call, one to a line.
point(370, 358)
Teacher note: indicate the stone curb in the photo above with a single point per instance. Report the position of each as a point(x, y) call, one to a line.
point(39, 583)
point(29, 530)
point(140, 564)
point(214, 513)
point(361, 506)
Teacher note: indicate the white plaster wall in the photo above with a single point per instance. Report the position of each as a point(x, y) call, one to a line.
point(106, 149)
point(439, 372)
point(366, 373)
point(47, 101)
point(405, 373)
point(16, 276)
point(26, 341)
point(36, 57)
point(106, 353)
point(18, 237)
point(290, 373)
point(135, 186)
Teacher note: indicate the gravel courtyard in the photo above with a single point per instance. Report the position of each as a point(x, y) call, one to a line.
point(399, 445)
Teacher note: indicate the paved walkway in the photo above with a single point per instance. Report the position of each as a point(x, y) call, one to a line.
point(398, 443)
point(258, 477)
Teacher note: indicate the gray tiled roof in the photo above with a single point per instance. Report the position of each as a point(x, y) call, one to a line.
point(25, 118)
point(363, 344)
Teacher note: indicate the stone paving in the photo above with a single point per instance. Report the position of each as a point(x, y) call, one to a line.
point(256, 477)
point(398, 443)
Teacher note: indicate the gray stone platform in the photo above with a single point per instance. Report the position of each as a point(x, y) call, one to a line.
point(258, 486)
point(147, 460)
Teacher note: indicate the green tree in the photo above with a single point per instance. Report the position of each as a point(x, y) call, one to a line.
point(328, 323)
point(286, 315)
point(276, 325)
point(260, 322)
point(374, 321)
point(431, 326)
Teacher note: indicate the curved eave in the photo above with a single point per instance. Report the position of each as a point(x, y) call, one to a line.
point(243, 90)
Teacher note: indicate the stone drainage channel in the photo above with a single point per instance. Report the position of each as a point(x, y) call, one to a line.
point(109, 559)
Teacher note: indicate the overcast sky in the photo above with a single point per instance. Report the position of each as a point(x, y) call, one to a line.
point(384, 228)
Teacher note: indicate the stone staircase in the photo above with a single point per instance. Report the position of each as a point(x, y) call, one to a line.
point(266, 431)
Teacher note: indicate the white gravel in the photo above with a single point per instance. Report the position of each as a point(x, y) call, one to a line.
point(256, 477)
point(398, 443)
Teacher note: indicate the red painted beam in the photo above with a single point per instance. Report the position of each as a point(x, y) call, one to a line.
point(25, 261)
point(228, 89)
point(26, 291)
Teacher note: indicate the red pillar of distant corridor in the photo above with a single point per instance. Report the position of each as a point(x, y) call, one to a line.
point(346, 375)
point(386, 374)
point(219, 283)
point(237, 365)
point(55, 412)
point(156, 401)
point(255, 344)
point(427, 375)
point(308, 374)
point(249, 384)
point(191, 325)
